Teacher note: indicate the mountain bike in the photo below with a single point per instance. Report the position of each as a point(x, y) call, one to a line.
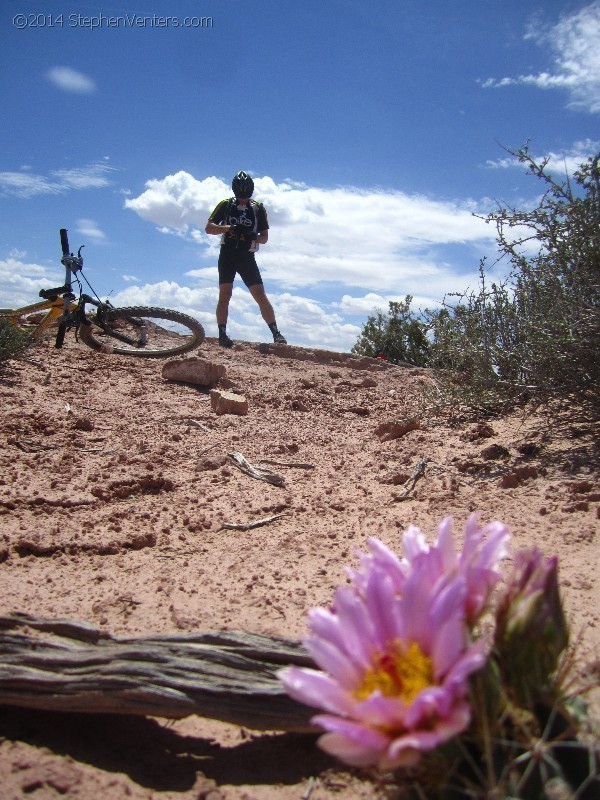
point(135, 331)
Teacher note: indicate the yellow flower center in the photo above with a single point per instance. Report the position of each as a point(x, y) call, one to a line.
point(399, 672)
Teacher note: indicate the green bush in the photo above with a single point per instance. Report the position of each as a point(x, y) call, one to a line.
point(399, 335)
point(535, 335)
point(13, 341)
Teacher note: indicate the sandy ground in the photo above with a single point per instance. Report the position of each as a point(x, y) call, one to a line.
point(114, 485)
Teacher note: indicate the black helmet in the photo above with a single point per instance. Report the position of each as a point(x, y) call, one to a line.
point(242, 185)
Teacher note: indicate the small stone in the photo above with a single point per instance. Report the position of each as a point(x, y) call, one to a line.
point(228, 403)
point(308, 383)
point(211, 462)
point(84, 424)
point(510, 480)
point(299, 405)
point(367, 383)
point(494, 451)
point(394, 430)
point(481, 430)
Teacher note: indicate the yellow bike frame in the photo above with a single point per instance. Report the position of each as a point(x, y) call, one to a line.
point(54, 308)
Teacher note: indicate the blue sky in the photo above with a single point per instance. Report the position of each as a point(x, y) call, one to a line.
point(374, 133)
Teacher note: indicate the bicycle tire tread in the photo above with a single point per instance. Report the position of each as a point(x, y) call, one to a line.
point(153, 313)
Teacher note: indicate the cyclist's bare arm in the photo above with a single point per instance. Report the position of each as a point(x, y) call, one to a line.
point(216, 230)
point(213, 228)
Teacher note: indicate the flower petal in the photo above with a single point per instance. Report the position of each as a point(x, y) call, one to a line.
point(315, 689)
point(334, 661)
point(351, 742)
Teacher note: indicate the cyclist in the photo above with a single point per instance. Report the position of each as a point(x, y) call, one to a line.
point(243, 225)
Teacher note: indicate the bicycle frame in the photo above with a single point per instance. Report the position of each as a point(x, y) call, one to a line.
point(57, 302)
point(55, 310)
point(60, 308)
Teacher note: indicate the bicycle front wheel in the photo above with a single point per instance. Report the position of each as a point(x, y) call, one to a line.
point(143, 333)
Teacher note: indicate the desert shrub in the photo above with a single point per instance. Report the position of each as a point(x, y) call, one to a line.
point(399, 335)
point(13, 342)
point(533, 336)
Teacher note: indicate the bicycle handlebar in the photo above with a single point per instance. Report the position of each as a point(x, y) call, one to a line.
point(64, 242)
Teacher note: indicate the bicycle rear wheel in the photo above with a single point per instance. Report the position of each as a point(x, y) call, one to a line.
point(143, 333)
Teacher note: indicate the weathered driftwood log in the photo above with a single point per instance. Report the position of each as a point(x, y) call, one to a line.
point(63, 665)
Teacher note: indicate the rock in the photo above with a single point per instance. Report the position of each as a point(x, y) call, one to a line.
point(230, 386)
point(367, 383)
point(211, 462)
point(395, 478)
point(529, 449)
point(84, 424)
point(510, 480)
point(495, 451)
point(193, 370)
point(299, 405)
point(481, 430)
point(397, 428)
point(308, 383)
point(360, 410)
point(228, 403)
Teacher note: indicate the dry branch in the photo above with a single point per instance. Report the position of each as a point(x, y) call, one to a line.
point(256, 472)
point(248, 526)
point(63, 665)
point(298, 464)
point(199, 425)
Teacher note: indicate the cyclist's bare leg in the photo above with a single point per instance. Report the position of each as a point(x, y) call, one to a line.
point(266, 309)
point(225, 292)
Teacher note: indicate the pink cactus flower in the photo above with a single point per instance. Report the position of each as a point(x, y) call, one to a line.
point(483, 549)
point(397, 650)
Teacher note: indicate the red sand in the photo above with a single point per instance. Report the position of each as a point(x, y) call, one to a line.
point(115, 485)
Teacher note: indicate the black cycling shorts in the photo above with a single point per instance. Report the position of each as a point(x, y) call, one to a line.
point(242, 262)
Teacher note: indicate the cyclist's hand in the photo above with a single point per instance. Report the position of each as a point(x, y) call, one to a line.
point(242, 230)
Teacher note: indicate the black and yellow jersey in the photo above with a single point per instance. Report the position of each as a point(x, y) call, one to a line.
point(252, 216)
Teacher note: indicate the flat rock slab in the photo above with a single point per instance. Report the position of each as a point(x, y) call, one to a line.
point(194, 370)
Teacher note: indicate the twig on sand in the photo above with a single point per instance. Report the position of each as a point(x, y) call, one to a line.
point(247, 526)
point(29, 446)
point(199, 425)
point(418, 472)
point(297, 464)
point(207, 449)
point(256, 472)
point(310, 785)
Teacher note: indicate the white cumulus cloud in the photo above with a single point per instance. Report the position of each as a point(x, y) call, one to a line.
point(574, 41)
point(20, 281)
point(369, 239)
point(334, 255)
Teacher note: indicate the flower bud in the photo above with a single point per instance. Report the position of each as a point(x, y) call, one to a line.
point(531, 628)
